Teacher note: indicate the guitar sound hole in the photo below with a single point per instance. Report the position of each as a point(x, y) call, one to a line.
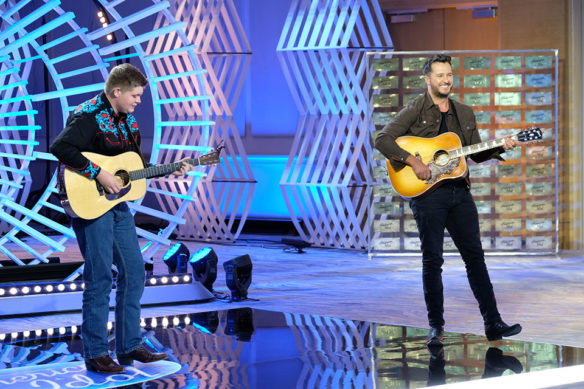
point(441, 158)
point(123, 176)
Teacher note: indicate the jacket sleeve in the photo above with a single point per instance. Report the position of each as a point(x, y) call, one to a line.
point(77, 136)
point(398, 126)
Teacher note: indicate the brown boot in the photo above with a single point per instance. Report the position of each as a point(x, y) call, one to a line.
point(104, 365)
point(140, 355)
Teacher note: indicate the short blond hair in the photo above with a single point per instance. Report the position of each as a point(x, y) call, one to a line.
point(125, 77)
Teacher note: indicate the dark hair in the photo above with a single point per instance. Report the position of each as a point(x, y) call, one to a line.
point(435, 58)
point(125, 77)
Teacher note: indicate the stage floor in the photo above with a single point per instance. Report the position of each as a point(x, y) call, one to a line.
point(543, 293)
point(255, 348)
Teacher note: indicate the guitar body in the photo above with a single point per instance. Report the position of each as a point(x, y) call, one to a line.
point(84, 197)
point(433, 151)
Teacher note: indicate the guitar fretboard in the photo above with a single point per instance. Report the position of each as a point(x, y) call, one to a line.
point(160, 170)
point(477, 148)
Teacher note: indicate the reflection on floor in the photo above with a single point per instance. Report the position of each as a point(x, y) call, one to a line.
point(254, 348)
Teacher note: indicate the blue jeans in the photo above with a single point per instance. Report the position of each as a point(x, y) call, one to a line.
point(452, 207)
point(111, 238)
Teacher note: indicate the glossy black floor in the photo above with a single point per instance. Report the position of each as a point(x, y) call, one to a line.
point(252, 348)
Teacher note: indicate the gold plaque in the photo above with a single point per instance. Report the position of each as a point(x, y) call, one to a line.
point(383, 191)
point(385, 65)
point(508, 224)
point(413, 82)
point(386, 244)
point(540, 170)
point(386, 82)
point(540, 206)
point(539, 152)
point(413, 63)
point(539, 224)
point(480, 188)
point(409, 96)
point(539, 188)
point(508, 188)
point(539, 242)
point(508, 170)
point(385, 100)
point(483, 207)
point(410, 225)
point(387, 208)
point(387, 225)
point(481, 170)
point(508, 206)
point(484, 224)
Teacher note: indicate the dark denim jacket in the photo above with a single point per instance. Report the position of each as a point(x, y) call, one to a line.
point(421, 117)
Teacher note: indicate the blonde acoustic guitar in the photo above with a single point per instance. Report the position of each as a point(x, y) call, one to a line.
point(445, 157)
point(87, 199)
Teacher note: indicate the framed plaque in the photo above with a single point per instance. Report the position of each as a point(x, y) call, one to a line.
point(386, 244)
point(538, 61)
point(538, 98)
point(412, 244)
point(539, 242)
point(539, 188)
point(387, 225)
point(414, 82)
point(477, 63)
point(480, 189)
point(377, 156)
point(477, 81)
point(410, 96)
point(385, 101)
point(484, 225)
point(508, 188)
point(410, 226)
point(502, 117)
point(384, 191)
point(505, 207)
point(413, 64)
point(385, 65)
point(508, 224)
point(508, 170)
point(539, 170)
point(483, 206)
point(538, 80)
point(508, 62)
point(480, 170)
point(385, 82)
point(477, 99)
point(539, 152)
point(508, 98)
point(539, 224)
point(380, 172)
point(448, 244)
point(382, 118)
point(387, 208)
point(508, 242)
point(483, 117)
point(538, 116)
point(508, 81)
point(486, 242)
point(540, 206)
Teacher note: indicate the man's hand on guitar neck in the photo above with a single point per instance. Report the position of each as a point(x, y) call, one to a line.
point(185, 167)
point(511, 143)
point(110, 183)
point(420, 168)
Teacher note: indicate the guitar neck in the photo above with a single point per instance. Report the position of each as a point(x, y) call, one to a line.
point(160, 170)
point(477, 148)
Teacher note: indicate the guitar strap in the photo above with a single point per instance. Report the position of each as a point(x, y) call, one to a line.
point(133, 140)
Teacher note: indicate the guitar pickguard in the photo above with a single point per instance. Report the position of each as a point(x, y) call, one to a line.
point(440, 170)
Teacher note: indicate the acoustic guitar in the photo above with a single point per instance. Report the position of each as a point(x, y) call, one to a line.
point(445, 157)
point(86, 198)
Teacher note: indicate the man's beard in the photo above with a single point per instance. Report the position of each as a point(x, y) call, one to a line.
point(437, 93)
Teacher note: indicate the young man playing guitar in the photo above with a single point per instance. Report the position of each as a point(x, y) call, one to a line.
point(105, 125)
point(449, 205)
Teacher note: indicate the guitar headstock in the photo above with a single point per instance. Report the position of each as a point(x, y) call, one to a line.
point(530, 135)
point(212, 157)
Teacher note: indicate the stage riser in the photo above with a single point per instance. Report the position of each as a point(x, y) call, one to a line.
point(71, 301)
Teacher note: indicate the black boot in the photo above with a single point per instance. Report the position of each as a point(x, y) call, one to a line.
point(499, 329)
point(435, 337)
point(496, 363)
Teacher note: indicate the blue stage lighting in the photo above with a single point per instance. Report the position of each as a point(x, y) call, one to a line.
point(204, 264)
point(238, 276)
point(176, 258)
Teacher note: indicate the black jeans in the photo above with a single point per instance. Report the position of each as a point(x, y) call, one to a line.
point(451, 206)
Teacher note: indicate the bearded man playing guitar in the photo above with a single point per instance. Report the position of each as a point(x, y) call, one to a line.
point(105, 125)
point(450, 204)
